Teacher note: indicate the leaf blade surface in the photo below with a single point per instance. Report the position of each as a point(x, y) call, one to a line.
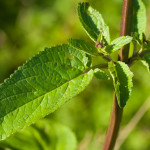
point(41, 86)
point(93, 22)
point(122, 79)
point(83, 46)
point(118, 43)
point(139, 18)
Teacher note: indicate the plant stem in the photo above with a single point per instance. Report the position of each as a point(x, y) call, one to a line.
point(126, 24)
point(106, 57)
point(100, 66)
point(113, 129)
point(114, 125)
point(133, 122)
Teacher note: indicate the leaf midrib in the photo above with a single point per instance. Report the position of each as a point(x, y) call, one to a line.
point(85, 72)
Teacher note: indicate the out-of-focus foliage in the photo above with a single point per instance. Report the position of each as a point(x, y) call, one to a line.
point(27, 26)
point(46, 135)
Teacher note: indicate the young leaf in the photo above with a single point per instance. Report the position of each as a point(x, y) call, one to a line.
point(45, 134)
point(146, 57)
point(145, 64)
point(139, 18)
point(147, 44)
point(42, 85)
point(118, 43)
point(146, 61)
point(100, 74)
point(122, 78)
point(93, 22)
point(83, 46)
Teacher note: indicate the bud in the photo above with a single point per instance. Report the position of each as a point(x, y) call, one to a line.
point(98, 45)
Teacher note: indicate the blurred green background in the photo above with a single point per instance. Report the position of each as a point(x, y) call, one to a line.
point(26, 27)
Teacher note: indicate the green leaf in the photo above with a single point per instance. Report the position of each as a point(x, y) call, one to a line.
point(41, 86)
point(122, 78)
point(83, 46)
point(139, 18)
point(145, 60)
point(100, 74)
point(146, 45)
point(45, 134)
point(145, 64)
point(93, 22)
point(118, 43)
point(147, 57)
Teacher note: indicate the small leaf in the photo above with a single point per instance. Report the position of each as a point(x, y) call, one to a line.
point(145, 60)
point(146, 45)
point(145, 64)
point(122, 78)
point(118, 43)
point(146, 57)
point(45, 134)
point(93, 22)
point(83, 46)
point(139, 18)
point(42, 85)
point(100, 74)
